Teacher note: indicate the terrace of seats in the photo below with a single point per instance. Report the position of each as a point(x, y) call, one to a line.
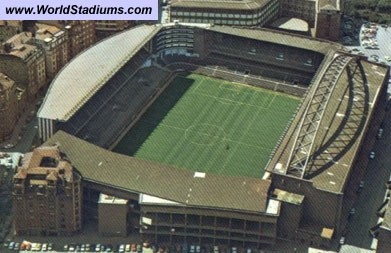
point(116, 102)
point(268, 53)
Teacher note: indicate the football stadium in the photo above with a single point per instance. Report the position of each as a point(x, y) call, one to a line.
point(217, 136)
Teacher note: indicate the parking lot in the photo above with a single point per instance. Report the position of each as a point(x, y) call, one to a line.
point(374, 43)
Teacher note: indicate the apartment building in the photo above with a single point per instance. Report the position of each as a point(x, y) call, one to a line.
point(23, 62)
point(81, 33)
point(8, 106)
point(9, 28)
point(104, 28)
point(54, 43)
point(47, 194)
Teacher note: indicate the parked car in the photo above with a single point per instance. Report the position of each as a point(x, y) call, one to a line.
point(372, 155)
point(44, 247)
point(121, 248)
point(72, 247)
point(17, 246)
point(360, 186)
point(109, 248)
point(11, 245)
point(379, 133)
point(342, 240)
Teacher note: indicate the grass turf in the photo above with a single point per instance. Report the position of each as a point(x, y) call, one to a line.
point(210, 125)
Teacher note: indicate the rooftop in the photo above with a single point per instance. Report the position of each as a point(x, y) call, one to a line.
point(288, 197)
point(95, 66)
point(46, 32)
point(14, 23)
point(98, 165)
point(220, 4)
point(47, 162)
point(18, 45)
point(386, 224)
point(5, 82)
point(341, 129)
point(293, 24)
point(278, 37)
point(92, 68)
point(333, 5)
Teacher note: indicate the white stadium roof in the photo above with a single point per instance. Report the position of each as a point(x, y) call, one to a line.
point(82, 77)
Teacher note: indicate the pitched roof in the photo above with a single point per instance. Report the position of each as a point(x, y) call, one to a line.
point(135, 175)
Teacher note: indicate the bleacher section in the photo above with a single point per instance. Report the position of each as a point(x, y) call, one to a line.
point(248, 72)
point(114, 106)
point(302, 63)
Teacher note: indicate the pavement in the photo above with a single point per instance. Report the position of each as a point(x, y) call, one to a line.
point(24, 132)
point(372, 195)
point(383, 37)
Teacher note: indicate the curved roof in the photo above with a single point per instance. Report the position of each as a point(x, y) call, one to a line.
point(82, 77)
point(78, 81)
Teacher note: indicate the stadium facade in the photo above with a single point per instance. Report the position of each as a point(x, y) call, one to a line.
point(313, 172)
point(321, 15)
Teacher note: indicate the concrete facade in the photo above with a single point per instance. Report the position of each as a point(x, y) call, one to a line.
point(113, 214)
point(256, 13)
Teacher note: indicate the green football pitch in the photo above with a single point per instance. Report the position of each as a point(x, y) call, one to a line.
point(210, 125)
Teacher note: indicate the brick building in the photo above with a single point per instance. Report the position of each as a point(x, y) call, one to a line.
point(47, 194)
point(8, 106)
point(54, 43)
point(81, 33)
point(24, 63)
point(104, 28)
point(328, 20)
point(9, 28)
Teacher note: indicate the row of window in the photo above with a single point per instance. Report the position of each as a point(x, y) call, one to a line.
point(273, 5)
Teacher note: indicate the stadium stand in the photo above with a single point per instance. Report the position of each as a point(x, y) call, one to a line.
point(311, 172)
point(130, 89)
